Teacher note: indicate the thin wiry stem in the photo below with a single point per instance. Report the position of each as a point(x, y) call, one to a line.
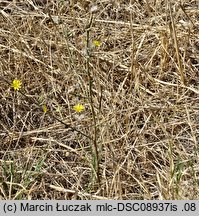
point(96, 154)
point(37, 103)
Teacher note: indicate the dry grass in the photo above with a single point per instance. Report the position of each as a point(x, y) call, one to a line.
point(138, 136)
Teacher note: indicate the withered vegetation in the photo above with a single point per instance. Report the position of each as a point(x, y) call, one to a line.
point(138, 136)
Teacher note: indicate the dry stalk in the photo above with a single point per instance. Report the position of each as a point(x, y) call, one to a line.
point(180, 68)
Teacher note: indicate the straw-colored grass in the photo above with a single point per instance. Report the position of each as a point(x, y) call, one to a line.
point(137, 137)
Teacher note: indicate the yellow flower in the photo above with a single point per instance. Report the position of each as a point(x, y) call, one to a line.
point(78, 108)
point(96, 43)
point(44, 107)
point(16, 84)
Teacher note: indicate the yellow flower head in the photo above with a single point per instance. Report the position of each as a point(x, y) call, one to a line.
point(16, 84)
point(44, 107)
point(78, 108)
point(96, 43)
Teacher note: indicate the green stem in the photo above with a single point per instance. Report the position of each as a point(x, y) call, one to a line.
point(96, 154)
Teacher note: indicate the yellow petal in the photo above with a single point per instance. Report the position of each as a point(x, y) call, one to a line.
point(45, 108)
point(96, 43)
point(78, 108)
point(16, 84)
